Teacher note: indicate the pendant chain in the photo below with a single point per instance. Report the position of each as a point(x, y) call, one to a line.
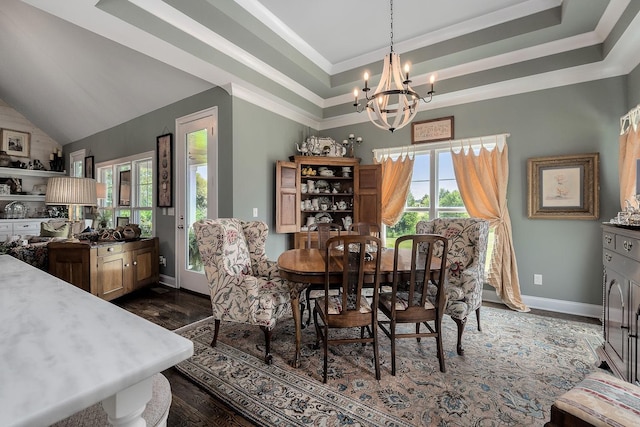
point(391, 26)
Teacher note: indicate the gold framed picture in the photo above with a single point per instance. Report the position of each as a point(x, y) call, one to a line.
point(16, 143)
point(432, 130)
point(564, 187)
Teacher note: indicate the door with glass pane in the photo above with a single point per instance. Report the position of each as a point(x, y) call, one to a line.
point(196, 192)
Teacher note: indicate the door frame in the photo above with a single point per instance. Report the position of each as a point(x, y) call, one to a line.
point(183, 275)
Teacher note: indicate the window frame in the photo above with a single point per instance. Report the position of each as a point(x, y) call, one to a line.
point(132, 163)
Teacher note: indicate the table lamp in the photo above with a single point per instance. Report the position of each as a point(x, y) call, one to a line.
point(72, 192)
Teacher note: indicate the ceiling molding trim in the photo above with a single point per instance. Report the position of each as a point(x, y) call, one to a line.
point(484, 64)
point(549, 80)
point(610, 17)
point(623, 56)
point(270, 103)
point(198, 31)
point(276, 25)
point(472, 25)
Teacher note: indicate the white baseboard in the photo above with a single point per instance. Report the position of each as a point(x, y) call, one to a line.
point(168, 281)
point(558, 306)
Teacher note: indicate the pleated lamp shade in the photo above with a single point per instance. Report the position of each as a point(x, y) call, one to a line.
point(66, 190)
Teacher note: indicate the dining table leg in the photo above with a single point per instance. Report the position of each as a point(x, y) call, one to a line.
point(295, 289)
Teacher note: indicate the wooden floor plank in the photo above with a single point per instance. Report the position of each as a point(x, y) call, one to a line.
point(172, 309)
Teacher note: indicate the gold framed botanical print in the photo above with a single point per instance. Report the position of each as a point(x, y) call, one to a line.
point(564, 187)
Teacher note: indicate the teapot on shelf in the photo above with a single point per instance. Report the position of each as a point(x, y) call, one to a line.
point(346, 222)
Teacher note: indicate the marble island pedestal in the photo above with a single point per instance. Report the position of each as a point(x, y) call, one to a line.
point(63, 349)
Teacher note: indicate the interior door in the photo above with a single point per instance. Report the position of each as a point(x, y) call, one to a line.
point(196, 192)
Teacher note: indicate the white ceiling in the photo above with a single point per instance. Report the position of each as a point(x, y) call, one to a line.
point(77, 67)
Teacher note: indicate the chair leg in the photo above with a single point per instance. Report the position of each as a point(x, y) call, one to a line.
point(216, 328)
point(418, 331)
point(478, 319)
point(268, 358)
point(439, 348)
point(460, 323)
point(308, 307)
point(318, 332)
point(376, 359)
point(326, 353)
point(392, 329)
point(303, 306)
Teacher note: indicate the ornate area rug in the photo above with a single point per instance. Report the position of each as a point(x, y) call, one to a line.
point(510, 374)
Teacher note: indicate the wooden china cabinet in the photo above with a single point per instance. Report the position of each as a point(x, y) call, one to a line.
point(347, 188)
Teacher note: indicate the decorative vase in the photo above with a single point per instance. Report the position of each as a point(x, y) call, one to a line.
point(5, 159)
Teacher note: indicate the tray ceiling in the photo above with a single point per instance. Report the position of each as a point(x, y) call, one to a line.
point(77, 67)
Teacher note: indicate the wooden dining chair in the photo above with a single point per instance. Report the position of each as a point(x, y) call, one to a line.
point(323, 231)
point(350, 308)
point(365, 229)
point(408, 300)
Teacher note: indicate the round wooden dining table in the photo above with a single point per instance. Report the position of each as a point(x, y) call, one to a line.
point(305, 268)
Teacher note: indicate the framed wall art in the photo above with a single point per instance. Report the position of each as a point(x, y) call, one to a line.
point(124, 190)
point(89, 167)
point(16, 143)
point(122, 221)
point(432, 130)
point(564, 187)
point(165, 161)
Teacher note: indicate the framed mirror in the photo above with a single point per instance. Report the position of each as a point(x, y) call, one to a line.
point(124, 192)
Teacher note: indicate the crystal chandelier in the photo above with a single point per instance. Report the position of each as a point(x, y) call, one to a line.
point(394, 103)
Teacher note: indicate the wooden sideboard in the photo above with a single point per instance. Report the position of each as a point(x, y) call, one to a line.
point(621, 300)
point(107, 270)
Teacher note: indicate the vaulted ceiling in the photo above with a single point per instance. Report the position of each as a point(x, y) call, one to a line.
point(77, 67)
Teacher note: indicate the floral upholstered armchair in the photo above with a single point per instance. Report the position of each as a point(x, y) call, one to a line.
point(465, 266)
point(244, 286)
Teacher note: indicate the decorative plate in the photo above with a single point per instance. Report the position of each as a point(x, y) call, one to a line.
point(324, 217)
point(322, 184)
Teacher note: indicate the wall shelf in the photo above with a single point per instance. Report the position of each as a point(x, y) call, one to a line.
point(9, 172)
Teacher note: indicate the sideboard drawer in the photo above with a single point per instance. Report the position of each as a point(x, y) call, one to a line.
point(608, 240)
point(26, 227)
point(628, 246)
point(110, 249)
point(615, 261)
point(6, 228)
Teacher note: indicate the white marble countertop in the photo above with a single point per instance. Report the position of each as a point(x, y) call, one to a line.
point(63, 349)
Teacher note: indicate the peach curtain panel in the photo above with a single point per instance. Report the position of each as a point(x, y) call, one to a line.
point(482, 180)
point(628, 154)
point(396, 181)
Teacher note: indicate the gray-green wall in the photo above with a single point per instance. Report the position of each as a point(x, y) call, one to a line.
point(139, 135)
point(574, 119)
point(260, 139)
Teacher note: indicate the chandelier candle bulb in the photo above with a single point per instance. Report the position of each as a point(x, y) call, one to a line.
point(366, 81)
point(406, 71)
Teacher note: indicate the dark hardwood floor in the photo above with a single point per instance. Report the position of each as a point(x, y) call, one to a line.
point(172, 309)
